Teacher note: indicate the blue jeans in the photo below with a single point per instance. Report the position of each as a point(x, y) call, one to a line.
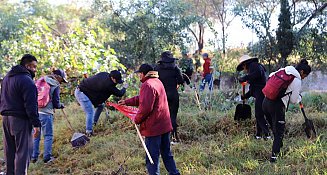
point(92, 115)
point(207, 79)
point(47, 132)
point(160, 145)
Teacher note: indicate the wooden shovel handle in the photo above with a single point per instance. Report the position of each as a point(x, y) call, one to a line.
point(143, 144)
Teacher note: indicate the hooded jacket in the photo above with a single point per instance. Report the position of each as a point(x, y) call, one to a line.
point(153, 113)
point(294, 87)
point(19, 95)
point(54, 95)
point(99, 87)
point(256, 77)
point(170, 75)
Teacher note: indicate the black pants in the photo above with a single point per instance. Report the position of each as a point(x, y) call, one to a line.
point(18, 144)
point(276, 110)
point(261, 122)
point(173, 103)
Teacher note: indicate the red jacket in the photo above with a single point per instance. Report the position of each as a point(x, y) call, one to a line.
point(153, 113)
point(206, 67)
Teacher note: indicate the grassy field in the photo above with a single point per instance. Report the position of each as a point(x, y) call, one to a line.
point(212, 143)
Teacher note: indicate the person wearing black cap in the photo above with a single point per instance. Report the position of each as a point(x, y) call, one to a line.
point(18, 107)
point(46, 115)
point(94, 91)
point(256, 77)
point(171, 77)
point(153, 116)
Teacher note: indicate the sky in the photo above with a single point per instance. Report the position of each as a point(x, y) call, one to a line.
point(238, 34)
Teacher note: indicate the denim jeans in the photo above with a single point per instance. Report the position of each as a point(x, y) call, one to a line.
point(47, 132)
point(207, 79)
point(160, 145)
point(92, 115)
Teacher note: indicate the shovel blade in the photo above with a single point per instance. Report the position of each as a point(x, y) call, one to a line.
point(79, 140)
point(242, 112)
point(309, 129)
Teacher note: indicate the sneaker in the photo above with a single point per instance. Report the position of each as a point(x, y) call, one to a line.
point(174, 141)
point(273, 159)
point(34, 160)
point(47, 161)
point(89, 134)
point(258, 137)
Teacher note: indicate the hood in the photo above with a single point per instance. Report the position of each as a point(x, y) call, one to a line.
point(51, 80)
point(17, 70)
point(290, 70)
point(150, 74)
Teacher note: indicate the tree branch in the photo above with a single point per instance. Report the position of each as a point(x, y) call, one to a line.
point(314, 14)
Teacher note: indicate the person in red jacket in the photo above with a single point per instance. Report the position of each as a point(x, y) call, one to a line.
point(207, 73)
point(153, 116)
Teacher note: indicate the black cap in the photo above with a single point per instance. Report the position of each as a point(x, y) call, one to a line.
point(144, 68)
point(117, 76)
point(61, 73)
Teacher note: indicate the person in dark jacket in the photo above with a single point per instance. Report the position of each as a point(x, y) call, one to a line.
point(256, 77)
point(153, 116)
point(46, 116)
point(18, 106)
point(94, 91)
point(171, 77)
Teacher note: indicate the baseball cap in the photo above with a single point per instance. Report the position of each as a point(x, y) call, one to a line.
point(144, 68)
point(117, 76)
point(61, 73)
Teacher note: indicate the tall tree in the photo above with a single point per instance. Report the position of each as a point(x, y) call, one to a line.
point(284, 32)
point(257, 15)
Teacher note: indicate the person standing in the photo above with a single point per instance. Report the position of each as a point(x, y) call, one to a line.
point(207, 73)
point(276, 108)
point(18, 106)
point(171, 77)
point(46, 116)
point(94, 91)
point(256, 77)
point(153, 116)
point(187, 67)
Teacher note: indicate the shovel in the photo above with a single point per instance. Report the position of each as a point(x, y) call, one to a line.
point(309, 128)
point(243, 111)
point(78, 139)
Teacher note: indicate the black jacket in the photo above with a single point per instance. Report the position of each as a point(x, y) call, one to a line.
point(256, 77)
point(99, 88)
point(19, 95)
point(170, 75)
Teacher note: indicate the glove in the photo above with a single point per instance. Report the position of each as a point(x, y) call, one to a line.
point(125, 85)
point(242, 79)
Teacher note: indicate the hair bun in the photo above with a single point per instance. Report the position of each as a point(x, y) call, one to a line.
point(304, 61)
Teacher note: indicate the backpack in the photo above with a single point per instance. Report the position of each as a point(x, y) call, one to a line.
point(43, 92)
point(277, 84)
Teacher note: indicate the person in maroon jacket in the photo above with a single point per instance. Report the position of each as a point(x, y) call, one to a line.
point(153, 116)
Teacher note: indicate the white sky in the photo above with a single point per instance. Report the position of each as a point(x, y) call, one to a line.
point(238, 34)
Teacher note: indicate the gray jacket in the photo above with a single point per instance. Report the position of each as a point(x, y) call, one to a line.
point(54, 102)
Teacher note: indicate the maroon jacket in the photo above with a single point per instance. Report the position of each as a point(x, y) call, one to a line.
point(153, 114)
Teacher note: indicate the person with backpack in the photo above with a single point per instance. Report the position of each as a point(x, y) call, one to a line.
point(94, 91)
point(18, 107)
point(153, 117)
point(171, 77)
point(282, 88)
point(48, 99)
point(256, 77)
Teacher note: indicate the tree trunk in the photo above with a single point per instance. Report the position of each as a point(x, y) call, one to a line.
point(200, 41)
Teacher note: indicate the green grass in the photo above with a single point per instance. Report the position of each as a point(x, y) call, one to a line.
point(212, 143)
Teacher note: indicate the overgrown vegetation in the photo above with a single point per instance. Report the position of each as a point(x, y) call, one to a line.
point(212, 143)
